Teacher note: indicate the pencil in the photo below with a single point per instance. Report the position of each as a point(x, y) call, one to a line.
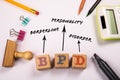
point(93, 7)
point(81, 6)
point(23, 6)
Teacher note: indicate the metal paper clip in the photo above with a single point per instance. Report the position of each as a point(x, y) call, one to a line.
point(20, 35)
point(25, 20)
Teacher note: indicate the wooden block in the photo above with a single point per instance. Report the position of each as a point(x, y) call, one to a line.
point(43, 62)
point(79, 61)
point(8, 60)
point(61, 61)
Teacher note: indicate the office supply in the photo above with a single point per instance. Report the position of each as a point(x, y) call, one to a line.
point(43, 62)
point(25, 20)
point(11, 54)
point(20, 35)
point(81, 6)
point(93, 7)
point(79, 61)
point(107, 18)
point(61, 60)
point(106, 68)
point(23, 6)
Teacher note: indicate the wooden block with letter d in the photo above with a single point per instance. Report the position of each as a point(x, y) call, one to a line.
point(61, 61)
point(79, 61)
point(43, 62)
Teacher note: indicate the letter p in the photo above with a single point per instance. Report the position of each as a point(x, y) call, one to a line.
point(62, 58)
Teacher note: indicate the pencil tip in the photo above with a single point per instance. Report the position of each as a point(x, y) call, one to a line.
point(87, 15)
point(78, 13)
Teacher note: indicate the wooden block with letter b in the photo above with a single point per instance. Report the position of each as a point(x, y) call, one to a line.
point(79, 61)
point(43, 62)
point(61, 61)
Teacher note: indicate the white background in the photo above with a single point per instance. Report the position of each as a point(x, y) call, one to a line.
point(63, 9)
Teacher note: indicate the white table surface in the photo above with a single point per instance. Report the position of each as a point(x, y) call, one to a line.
point(61, 9)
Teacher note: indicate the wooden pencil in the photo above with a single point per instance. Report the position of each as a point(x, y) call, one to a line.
point(81, 6)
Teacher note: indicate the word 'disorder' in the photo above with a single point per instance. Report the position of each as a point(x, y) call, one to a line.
point(80, 37)
point(61, 61)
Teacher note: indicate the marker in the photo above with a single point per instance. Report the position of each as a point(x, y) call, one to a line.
point(81, 6)
point(23, 6)
point(93, 7)
point(106, 68)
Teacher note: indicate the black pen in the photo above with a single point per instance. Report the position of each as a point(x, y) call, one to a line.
point(106, 68)
point(93, 7)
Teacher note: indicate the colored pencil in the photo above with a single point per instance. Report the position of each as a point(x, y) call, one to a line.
point(23, 6)
point(81, 6)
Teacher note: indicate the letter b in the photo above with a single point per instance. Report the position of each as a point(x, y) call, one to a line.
point(42, 61)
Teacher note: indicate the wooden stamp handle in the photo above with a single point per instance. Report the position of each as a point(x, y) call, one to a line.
point(26, 55)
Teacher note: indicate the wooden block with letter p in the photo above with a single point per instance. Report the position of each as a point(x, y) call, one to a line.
point(61, 61)
point(79, 61)
point(43, 62)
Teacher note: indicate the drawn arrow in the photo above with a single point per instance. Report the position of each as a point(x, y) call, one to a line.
point(78, 45)
point(44, 38)
point(64, 31)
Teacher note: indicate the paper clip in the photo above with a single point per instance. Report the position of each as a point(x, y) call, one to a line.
point(25, 20)
point(20, 35)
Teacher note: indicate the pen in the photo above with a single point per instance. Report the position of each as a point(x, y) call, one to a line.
point(81, 6)
point(23, 6)
point(106, 68)
point(93, 7)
